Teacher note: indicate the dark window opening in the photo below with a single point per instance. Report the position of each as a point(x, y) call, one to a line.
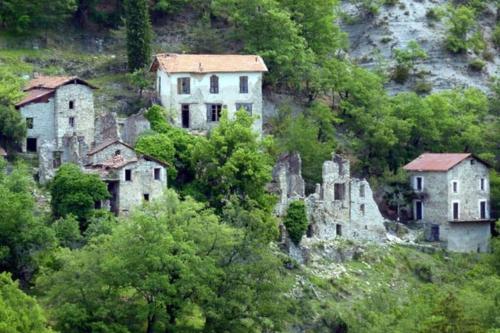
point(214, 84)
point(29, 123)
point(118, 152)
point(183, 85)
point(71, 121)
point(310, 231)
point(31, 145)
point(362, 191)
point(455, 187)
point(338, 229)
point(243, 84)
point(455, 211)
point(245, 106)
point(482, 210)
point(157, 173)
point(362, 209)
point(71, 105)
point(418, 210)
point(482, 184)
point(128, 175)
point(339, 191)
point(146, 197)
point(472, 162)
point(214, 112)
point(185, 115)
point(434, 233)
point(419, 184)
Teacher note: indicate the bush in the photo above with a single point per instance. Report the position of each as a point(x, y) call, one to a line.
point(434, 14)
point(423, 87)
point(477, 65)
point(461, 21)
point(401, 74)
point(296, 221)
point(496, 35)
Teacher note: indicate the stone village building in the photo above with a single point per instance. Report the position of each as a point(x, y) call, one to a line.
point(61, 128)
point(453, 200)
point(131, 177)
point(341, 206)
point(196, 88)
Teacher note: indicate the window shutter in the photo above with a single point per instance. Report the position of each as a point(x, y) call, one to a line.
point(179, 86)
point(209, 113)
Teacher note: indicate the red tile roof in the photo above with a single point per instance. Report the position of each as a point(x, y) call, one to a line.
point(54, 82)
point(208, 63)
point(436, 162)
point(34, 95)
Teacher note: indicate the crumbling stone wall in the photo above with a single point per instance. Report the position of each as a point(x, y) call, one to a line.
point(133, 126)
point(106, 127)
point(340, 207)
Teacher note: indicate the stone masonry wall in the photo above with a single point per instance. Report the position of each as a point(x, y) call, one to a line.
point(43, 121)
point(108, 152)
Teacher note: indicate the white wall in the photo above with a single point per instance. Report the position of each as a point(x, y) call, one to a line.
point(43, 121)
point(228, 96)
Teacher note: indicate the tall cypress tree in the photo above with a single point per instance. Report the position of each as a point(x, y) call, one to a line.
point(139, 33)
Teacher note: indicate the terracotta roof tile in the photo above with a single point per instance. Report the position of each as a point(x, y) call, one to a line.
point(33, 95)
point(208, 63)
point(53, 82)
point(436, 162)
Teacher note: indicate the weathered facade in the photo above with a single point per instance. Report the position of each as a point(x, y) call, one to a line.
point(196, 88)
point(340, 207)
point(452, 200)
point(59, 115)
point(132, 178)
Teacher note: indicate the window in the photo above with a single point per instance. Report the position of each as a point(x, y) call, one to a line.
point(472, 162)
point(157, 174)
point(146, 196)
point(214, 112)
point(243, 84)
point(482, 210)
point(214, 84)
point(128, 175)
point(454, 185)
point(71, 121)
point(338, 229)
point(419, 184)
point(246, 106)
point(482, 184)
point(29, 123)
point(183, 86)
point(418, 210)
point(31, 145)
point(456, 210)
point(339, 191)
point(71, 105)
point(362, 190)
point(362, 209)
point(118, 152)
point(185, 115)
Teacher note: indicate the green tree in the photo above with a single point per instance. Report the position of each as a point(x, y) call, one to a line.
point(139, 34)
point(74, 192)
point(233, 162)
point(12, 125)
point(25, 240)
point(406, 60)
point(172, 266)
point(295, 221)
point(19, 312)
point(461, 21)
point(67, 230)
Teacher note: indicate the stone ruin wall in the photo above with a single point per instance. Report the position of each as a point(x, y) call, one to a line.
point(353, 213)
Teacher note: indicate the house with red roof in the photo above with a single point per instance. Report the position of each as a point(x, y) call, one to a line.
point(57, 107)
point(452, 199)
point(197, 87)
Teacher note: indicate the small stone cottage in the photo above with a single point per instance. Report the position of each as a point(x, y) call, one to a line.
point(197, 87)
point(132, 178)
point(452, 199)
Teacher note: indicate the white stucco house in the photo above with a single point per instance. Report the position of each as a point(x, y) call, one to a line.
point(452, 199)
point(197, 87)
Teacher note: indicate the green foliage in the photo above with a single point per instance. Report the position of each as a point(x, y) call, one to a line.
point(101, 222)
point(12, 126)
point(295, 221)
point(139, 34)
point(22, 16)
point(19, 312)
point(158, 146)
point(477, 64)
point(311, 134)
point(495, 193)
point(25, 240)
point(406, 60)
point(496, 35)
point(367, 7)
point(74, 192)
point(435, 13)
point(461, 21)
point(172, 266)
point(232, 162)
point(140, 79)
point(67, 230)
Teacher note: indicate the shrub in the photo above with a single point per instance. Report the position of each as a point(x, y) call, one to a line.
point(496, 35)
point(477, 65)
point(423, 87)
point(461, 21)
point(296, 221)
point(434, 14)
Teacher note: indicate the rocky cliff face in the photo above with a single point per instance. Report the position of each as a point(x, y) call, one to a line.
point(395, 26)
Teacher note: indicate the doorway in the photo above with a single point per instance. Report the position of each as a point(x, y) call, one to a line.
point(31, 145)
point(113, 188)
point(185, 116)
point(419, 210)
